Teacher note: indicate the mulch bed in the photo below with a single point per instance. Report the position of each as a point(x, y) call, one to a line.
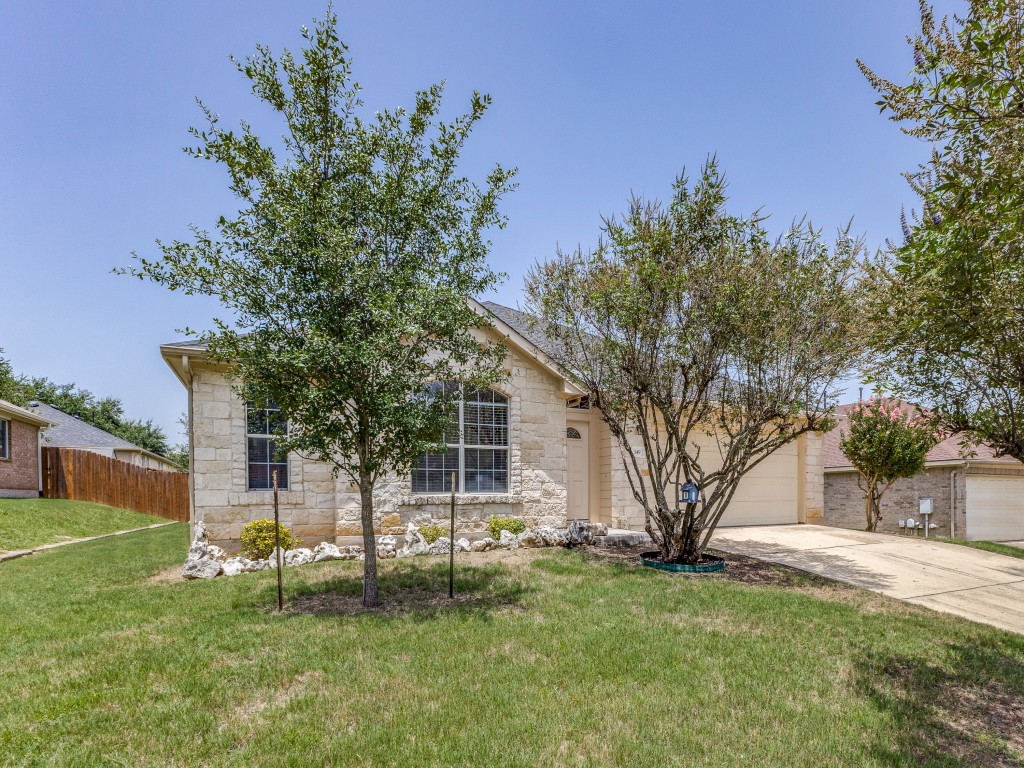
point(738, 568)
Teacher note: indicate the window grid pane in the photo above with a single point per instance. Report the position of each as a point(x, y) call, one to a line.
point(264, 425)
point(5, 439)
point(479, 458)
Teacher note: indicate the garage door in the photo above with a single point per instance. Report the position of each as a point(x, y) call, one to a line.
point(995, 507)
point(767, 495)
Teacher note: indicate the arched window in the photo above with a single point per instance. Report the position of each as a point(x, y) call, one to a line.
point(477, 449)
point(573, 434)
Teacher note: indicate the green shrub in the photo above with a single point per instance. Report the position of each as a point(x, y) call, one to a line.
point(431, 533)
point(511, 524)
point(258, 539)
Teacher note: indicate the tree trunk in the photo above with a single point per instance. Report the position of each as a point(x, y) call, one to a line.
point(370, 597)
point(869, 511)
point(678, 546)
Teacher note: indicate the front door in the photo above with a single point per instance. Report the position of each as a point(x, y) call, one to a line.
point(577, 441)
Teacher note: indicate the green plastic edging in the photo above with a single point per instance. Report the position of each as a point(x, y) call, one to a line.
point(653, 560)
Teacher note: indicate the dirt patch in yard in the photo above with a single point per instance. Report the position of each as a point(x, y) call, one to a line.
point(952, 712)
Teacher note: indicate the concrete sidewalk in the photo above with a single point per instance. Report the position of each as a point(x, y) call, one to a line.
point(15, 554)
point(978, 585)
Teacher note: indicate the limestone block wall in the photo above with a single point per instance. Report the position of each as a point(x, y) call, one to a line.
point(221, 495)
point(537, 469)
point(318, 506)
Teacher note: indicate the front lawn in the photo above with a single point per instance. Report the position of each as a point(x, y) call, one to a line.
point(548, 658)
point(27, 523)
point(989, 546)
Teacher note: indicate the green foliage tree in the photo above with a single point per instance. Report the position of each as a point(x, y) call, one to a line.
point(348, 266)
point(950, 308)
point(687, 322)
point(885, 441)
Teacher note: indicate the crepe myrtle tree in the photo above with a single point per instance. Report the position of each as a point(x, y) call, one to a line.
point(885, 441)
point(950, 309)
point(686, 322)
point(346, 271)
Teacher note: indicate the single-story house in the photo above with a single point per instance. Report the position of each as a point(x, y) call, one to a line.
point(67, 431)
point(531, 447)
point(985, 492)
point(20, 473)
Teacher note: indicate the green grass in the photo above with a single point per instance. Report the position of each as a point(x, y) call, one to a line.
point(989, 546)
point(559, 660)
point(27, 523)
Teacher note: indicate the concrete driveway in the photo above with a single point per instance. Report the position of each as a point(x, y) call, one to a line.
point(981, 586)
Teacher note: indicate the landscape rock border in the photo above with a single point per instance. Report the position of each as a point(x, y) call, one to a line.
point(208, 561)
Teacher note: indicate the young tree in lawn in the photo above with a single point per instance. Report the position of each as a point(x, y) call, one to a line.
point(347, 268)
point(885, 441)
point(951, 309)
point(686, 321)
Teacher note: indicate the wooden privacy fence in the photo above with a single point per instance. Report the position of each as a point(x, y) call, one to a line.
point(86, 476)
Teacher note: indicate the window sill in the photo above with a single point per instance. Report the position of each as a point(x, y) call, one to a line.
point(461, 499)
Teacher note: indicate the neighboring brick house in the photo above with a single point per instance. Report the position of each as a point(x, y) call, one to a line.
point(531, 447)
point(985, 492)
point(67, 431)
point(19, 451)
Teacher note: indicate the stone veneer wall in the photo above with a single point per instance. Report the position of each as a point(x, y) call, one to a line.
point(844, 501)
point(319, 507)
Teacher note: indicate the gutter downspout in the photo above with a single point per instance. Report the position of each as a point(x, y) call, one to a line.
point(187, 368)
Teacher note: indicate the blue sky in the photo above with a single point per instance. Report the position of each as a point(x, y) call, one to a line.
point(591, 101)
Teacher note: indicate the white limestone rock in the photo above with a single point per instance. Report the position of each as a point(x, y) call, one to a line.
point(352, 552)
point(440, 547)
point(299, 556)
point(260, 565)
point(216, 553)
point(462, 545)
point(326, 550)
point(197, 550)
point(236, 565)
point(272, 560)
point(201, 568)
point(508, 540)
point(414, 537)
point(599, 529)
point(485, 545)
point(531, 538)
point(387, 547)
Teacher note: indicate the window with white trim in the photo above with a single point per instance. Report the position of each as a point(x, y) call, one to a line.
point(263, 427)
point(5, 439)
point(477, 448)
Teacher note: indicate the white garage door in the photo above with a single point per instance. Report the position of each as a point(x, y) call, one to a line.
point(995, 507)
point(767, 495)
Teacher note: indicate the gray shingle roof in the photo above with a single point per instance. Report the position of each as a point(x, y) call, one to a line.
point(526, 326)
point(69, 432)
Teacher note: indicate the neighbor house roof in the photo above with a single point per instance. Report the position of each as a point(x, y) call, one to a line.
point(17, 413)
point(949, 451)
point(67, 431)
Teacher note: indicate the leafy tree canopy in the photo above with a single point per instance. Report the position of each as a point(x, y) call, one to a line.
point(346, 270)
point(687, 322)
point(950, 312)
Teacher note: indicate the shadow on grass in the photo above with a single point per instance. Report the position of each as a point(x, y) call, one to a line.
point(412, 590)
point(964, 710)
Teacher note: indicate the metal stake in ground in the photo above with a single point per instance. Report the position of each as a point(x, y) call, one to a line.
point(451, 547)
point(277, 548)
